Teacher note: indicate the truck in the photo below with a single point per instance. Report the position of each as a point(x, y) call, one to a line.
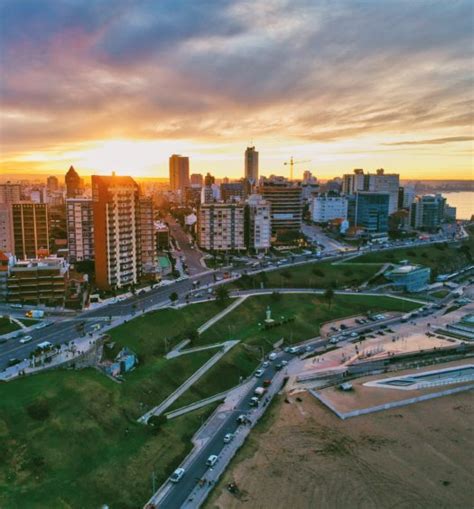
point(34, 313)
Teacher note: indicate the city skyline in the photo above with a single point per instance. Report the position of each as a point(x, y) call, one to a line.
point(342, 86)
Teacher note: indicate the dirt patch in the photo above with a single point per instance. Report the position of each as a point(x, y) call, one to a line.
point(413, 457)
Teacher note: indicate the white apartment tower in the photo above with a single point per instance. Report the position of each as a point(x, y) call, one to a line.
point(80, 229)
point(325, 208)
point(258, 223)
point(221, 226)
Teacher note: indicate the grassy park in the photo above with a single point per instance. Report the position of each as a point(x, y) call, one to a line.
point(311, 275)
point(441, 258)
point(6, 326)
point(70, 438)
point(309, 312)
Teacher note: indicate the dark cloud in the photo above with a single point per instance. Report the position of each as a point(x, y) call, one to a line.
point(224, 68)
point(434, 141)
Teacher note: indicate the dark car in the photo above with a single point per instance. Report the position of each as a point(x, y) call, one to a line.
point(279, 366)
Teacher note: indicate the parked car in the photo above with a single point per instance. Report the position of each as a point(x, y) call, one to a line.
point(279, 366)
point(177, 475)
point(259, 373)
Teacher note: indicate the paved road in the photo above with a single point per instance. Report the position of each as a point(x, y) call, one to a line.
point(191, 254)
point(178, 493)
point(65, 331)
point(315, 234)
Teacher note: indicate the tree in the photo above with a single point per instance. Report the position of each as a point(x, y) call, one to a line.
point(173, 297)
point(329, 296)
point(222, 294)
point(193, 335)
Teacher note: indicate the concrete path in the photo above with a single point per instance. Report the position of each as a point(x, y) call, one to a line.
point(20, 324)
point(316, 291)
point(177, 353)
point(198, 404)
point(177, 349)
point(158, 410)
point(220, 315)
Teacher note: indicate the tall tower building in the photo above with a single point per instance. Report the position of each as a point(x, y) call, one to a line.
point(80, 229)
point(179, 172)
point(30, 227)
point(116, 231)
point(251, 166)
point(73, 183)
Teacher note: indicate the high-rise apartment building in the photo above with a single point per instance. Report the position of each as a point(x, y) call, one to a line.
point(116, 231)
point(6, 238)
point(147, 235)
point(10, 193)
point(258, 226)
point(179, 172)
point(80, 229)
point(286, 203)
point(30, 229)
point(221, 226)
point(427, 211)
point(251, 165)
point(73, 183)
point(380, 182)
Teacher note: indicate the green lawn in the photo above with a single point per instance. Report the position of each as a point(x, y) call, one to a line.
point(441, 258)
point(439, 294)
point(69, 439)
point(77, 452)
point(310, 311)
point(311, 275)
point(6, 326)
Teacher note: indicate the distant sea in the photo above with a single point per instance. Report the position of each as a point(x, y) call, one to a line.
point(463, 201)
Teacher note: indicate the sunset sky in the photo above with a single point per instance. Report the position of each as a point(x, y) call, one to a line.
point(122, 84)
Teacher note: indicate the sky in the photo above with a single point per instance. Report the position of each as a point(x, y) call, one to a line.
point(120, 85)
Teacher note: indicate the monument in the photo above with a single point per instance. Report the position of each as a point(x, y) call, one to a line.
point(269, 318)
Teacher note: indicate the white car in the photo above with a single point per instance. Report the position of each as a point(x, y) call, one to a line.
point(259, 373)
point(25, 339)
point(228, 438)
point(265, 364)
point(211, 461)
point(177, 474)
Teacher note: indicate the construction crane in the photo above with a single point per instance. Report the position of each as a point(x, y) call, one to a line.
point(291, 162)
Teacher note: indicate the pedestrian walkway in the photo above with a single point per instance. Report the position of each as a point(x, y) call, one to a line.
point(220, 315)
point(178, 352)
point(159, 409)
